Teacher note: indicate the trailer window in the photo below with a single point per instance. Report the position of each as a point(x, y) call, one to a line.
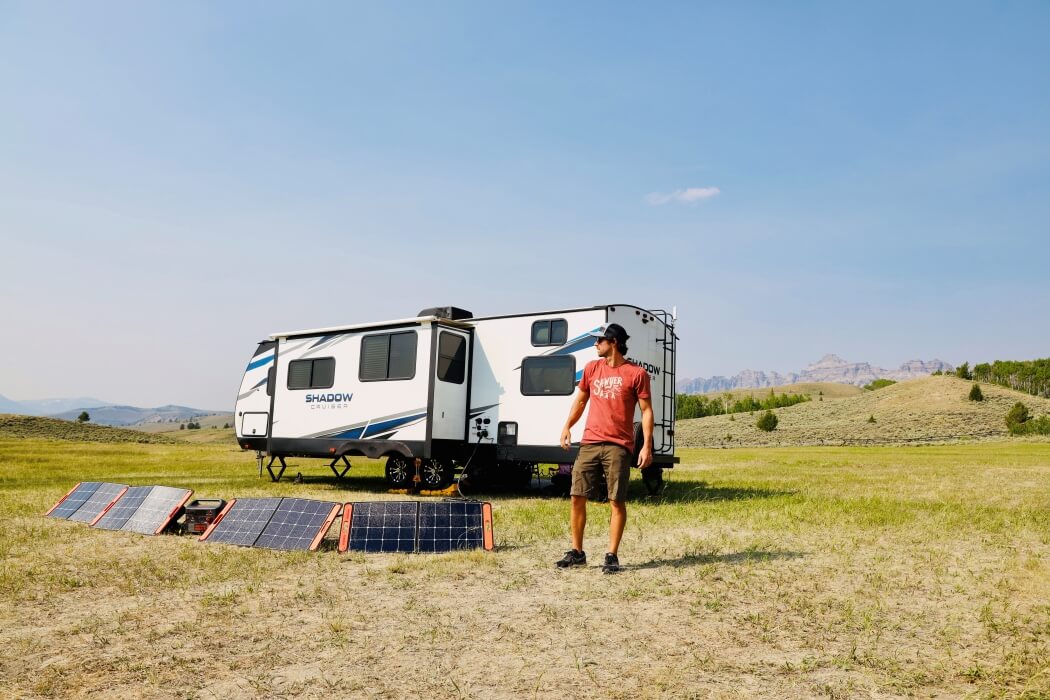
point(548, 376)
point(311, 374)
point(550, 332)
point(388, 356)
point(452, 357)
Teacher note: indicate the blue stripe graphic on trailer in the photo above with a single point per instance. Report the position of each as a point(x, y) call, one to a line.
point(579, 376)
point(580, 342)
point(352, 434)
point(260, 363)
point(384, 426)
point(574, 345)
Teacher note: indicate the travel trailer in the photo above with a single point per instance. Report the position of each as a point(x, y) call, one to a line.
point(444, 391)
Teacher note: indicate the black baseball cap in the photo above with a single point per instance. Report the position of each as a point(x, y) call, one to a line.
point(612, 331)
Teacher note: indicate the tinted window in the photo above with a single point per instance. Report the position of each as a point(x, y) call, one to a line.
point(402, 356)
point(311, 374)
point(375, 351)
point(559, 332)
point(388, 356)
point(452, 357)
point(550, 332)
point(548, 376)
point(323, 374)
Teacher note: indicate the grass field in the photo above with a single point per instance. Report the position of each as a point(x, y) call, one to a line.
point(803, 572)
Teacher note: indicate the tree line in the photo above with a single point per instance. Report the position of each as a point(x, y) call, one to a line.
point(699, 406)
point(1029, 376)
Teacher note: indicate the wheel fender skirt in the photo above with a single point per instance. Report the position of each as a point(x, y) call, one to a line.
point(372, 449)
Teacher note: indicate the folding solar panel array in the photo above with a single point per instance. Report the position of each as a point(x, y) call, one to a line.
point(287, 523)
point(86, 501)
point(147, 510)
point(273, 523)
point(416, 526)
point(144, 509)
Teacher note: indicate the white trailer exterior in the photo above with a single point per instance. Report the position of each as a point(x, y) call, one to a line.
point(445, 388)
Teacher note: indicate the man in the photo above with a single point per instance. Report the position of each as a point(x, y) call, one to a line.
point(613, 386)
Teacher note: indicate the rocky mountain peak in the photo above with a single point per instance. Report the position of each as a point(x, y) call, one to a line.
point(830, 368)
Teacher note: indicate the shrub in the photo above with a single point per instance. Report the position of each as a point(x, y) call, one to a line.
point(879, 384)
point(83, 417)
point(767, 422)
point(963, 371)
point(1016, 418)
point(975, 393)
point(871, 418)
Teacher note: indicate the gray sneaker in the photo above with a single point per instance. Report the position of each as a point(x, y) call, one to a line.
point(611, 565)
point(572, 558)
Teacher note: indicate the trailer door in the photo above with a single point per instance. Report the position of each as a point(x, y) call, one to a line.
point(450, 383)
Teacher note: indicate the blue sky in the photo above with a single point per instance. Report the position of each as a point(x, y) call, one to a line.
point(179, 180)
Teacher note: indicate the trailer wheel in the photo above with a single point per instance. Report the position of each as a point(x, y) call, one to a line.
point(399, 472)
point(436, 474)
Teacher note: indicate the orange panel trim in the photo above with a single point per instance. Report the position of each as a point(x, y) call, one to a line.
point(324, 528)
point(218, 519)
point(344, 527)
point(68, 494)
point(486, 524)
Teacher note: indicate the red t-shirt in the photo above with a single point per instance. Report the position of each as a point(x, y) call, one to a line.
point(614, 394)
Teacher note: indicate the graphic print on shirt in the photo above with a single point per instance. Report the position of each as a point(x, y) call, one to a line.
point(607, 387)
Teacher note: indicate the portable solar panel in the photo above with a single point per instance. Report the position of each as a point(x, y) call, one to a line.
point(241, 521)
point(383, 526)
point(298, 523)
point(274, 523)
point(97, 502)
point(75, 498)
point(450, 525)
point(157, 510)
point(414, 526)
point(119, 513)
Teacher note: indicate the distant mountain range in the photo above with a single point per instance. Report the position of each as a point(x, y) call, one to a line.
point(830, 368)
point(102, 412)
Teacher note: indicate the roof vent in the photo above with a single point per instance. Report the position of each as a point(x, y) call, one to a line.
point(450, 312)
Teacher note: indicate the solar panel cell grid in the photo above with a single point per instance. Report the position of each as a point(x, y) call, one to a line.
point(244, 521)
point(123, 509)
point(74, 499)
point(97, 502)
point(296, 523)
point(384, 527)
point(447, 526)
point(156, 510)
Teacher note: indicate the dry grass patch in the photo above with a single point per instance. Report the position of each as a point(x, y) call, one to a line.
point(819, 572)
point(932, 409)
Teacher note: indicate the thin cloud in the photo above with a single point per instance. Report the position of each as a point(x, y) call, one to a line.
point(690, 195)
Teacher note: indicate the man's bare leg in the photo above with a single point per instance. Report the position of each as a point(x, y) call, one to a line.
point(617, 520)
point(578, 521)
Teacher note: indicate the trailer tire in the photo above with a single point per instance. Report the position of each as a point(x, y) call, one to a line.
point(399, 472)
point(436, 474)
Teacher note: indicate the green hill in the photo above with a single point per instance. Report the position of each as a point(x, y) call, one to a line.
point(35, 427)
point(927, 410)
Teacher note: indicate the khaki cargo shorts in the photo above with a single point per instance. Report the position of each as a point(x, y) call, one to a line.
point(601, 462)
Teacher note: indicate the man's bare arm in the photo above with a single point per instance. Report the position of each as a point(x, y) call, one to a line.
point(578, 404)
point(645, 456)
